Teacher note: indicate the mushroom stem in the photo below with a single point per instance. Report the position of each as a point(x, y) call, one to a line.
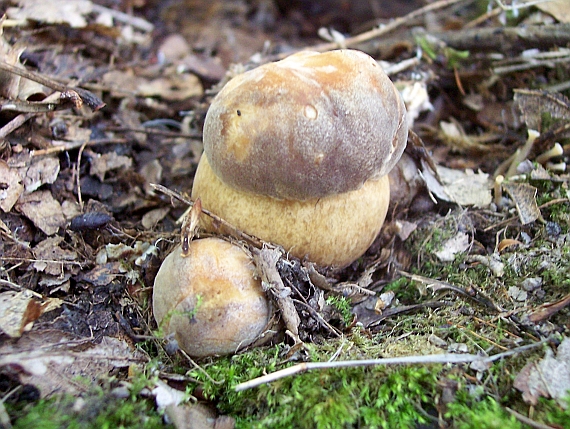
point(522, 153)
point(559, 167)
point(498, 189)
point(555, 151)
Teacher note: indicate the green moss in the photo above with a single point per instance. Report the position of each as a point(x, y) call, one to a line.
point(485, 414)
point(343, 306)
point(375, 397)
point(96, 412)
point(98, 408)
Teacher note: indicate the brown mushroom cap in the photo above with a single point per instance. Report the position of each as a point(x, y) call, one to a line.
point(309, 126)
point(210, 299)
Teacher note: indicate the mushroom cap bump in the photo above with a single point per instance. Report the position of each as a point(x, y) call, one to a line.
point(309, 126)
point(232, 311)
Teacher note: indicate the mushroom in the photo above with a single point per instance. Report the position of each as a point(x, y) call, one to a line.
point(210, 300)
point(297, 153)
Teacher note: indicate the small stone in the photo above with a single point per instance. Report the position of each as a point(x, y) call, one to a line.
point(531, 284)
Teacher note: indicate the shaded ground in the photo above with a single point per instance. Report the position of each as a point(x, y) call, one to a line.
point(467, 264)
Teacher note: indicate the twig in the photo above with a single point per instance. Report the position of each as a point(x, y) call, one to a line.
point(438, 285)
point(528, 421)
point(78, 176)
point(232, 230)
point(15, 123)
point(445, 358)
point(17, 287)
point(377, 32)
point(125, 18)
point(513, 218)
point(68, 93)
point(74, 145)
point(320, 319)
point(507, 38)
point(199, 368)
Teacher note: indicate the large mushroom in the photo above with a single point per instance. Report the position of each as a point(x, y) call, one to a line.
point(297, 152)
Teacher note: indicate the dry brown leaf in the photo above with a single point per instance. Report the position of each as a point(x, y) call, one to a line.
point(103, 274)
point(524, 197)
point(507, 242)
point(197, 416)
point(174, 48)
point(54, 360)
point(173, 87)
point(549, 377)
point(150, 219)
point(559, 9)
point(69, 12)
point(266, 261)
point(11, 186)
point(465, 188)
point(456, 244)
point(549, 309)
point(43, 210)
point(51, 257)
point(9, 82)
point(101, 164)
point(534, 104)
point(152, 173)
point(18, 310)
point(40, 172)
point(13, 86)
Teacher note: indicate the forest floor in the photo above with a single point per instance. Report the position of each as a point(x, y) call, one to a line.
point(469, 278)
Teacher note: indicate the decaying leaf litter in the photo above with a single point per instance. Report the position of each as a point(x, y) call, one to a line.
point(102, 103)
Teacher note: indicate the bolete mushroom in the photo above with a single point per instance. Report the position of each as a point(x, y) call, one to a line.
point(210, 300)
point(297, 153)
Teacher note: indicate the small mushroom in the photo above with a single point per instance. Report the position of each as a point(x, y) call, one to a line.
point(297, 152)
point(211, 300)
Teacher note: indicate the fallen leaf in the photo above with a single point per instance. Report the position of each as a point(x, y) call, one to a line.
point(40, 172)
point(507, 242)
point(524, 197)
point(11, 186)
point(266, 260)
point(197, 416)
point(18, 310)
point(102, 274)
point(164, 395)
point(53, 360)
point(465, 188)
point(456, 244)
point(546, 310)
point(101, 164)
point(69, 12)
point(151, 218)
point(549, 377)
point(43, 210)
point(51, 257)
point(559, 9)
point(534, 104)
point(517, 294)
point(174, 87)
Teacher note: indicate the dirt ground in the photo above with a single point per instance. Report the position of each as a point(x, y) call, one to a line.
point(103, 100)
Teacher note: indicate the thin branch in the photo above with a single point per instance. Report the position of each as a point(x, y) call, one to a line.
point(380, 31)
point(15, 123)
point(446, 358)
point(68, 93)
point(232, 230)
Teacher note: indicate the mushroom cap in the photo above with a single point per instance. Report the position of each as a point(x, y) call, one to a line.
point(330, 231)
point(309, 126)
point(232, 311)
